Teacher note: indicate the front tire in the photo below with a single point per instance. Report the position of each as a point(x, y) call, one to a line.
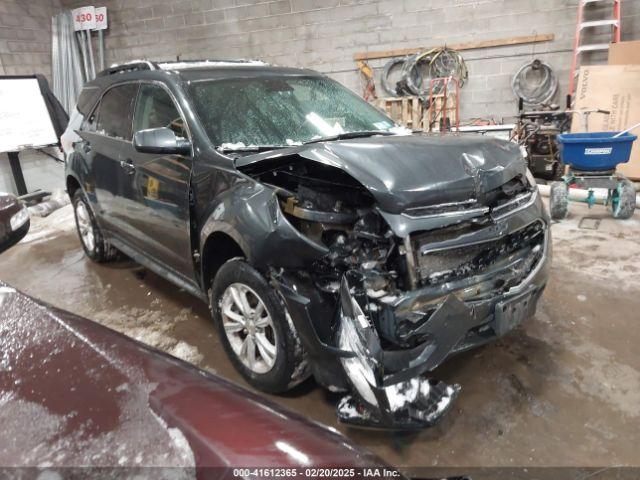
point(255, 329)
point(91, 238)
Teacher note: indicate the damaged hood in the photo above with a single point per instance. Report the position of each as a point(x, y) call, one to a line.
point(402, 172)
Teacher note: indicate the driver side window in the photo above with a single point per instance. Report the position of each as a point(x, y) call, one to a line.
point(155, 109)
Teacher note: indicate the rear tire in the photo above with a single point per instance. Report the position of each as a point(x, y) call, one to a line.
point(263, 347)
point(559, 200)
point(91, 238)
point(626, 201)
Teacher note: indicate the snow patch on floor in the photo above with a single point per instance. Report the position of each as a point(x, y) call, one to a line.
point(43, 229)
point(186, 352)
point(611, 253)
point(151, 327)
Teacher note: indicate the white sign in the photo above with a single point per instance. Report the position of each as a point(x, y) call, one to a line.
point(84, 18)
point(598, 151)
point(101, 18)
point(24, 118)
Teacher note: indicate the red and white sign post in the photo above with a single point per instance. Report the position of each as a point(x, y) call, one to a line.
point(86, 19)
point(101, 24)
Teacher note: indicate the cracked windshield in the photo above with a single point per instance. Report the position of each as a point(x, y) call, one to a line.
point(248, 112)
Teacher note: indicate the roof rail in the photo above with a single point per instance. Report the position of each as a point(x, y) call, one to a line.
point(132, 66)
point(182, 64)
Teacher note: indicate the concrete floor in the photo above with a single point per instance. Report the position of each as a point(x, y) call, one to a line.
point(561, 390)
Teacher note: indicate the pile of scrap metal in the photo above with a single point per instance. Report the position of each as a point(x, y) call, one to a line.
point(535, 85)
point(536, 132)
point(418, 71)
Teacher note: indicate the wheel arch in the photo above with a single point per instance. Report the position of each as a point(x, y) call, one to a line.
point(218, 248)
point(73, 185)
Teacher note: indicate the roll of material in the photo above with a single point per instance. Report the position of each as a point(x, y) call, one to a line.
point(580, 195)
point(535, 91)
point(419, 69)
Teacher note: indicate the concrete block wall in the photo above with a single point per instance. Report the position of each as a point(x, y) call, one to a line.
point(324, 35)
point(25, 36)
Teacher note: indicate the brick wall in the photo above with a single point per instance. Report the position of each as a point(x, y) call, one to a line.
point(324, 35)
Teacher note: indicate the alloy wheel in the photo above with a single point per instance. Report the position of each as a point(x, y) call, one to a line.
point(85, 226)
point(249, 327)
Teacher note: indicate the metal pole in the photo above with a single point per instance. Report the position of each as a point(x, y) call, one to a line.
point(101, 48)
point(90, 48)
point(16, 169)
point(83, 51)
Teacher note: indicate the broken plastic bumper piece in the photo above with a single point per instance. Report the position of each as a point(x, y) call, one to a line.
point(410, 405)
point(405, 401)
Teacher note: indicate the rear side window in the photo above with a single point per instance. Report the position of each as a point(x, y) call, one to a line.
point(156, 109)
point(87, 98)
point(91, 123)
point(115, 110)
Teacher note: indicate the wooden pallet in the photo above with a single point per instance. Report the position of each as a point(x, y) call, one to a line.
point(407, 111)
point(410, 111)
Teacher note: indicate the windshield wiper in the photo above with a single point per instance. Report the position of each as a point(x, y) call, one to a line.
point(226, 148)
point(249, 148)
point(348, 135)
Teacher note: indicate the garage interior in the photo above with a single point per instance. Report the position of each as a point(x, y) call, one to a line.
point(563, 388)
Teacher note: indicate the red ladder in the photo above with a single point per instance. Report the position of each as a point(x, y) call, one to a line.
point(578, 48)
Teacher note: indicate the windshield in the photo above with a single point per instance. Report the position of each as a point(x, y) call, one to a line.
point(281, 111)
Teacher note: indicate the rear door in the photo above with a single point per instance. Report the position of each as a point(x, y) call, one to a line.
point(104, 134)
point(161, 185)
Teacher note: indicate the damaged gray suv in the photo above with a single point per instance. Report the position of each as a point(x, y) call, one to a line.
point(327, 240)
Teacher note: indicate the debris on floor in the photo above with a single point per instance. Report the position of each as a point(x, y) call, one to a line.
point(588, 223)
point(42, 229)
point(56, 200)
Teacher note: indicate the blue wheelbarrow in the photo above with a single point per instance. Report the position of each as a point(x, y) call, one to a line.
point(592, 159)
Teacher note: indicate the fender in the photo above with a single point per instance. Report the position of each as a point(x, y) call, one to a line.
point(77, 168)
point(264, 234)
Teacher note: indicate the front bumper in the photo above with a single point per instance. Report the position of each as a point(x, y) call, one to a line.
point(387, 385)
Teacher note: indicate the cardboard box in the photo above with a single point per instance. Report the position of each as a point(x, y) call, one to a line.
point(624, 53)
point(615, 88)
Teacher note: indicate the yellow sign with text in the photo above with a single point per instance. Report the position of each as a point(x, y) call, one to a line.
point(153, 185)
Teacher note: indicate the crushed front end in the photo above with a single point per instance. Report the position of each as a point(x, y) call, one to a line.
point(398, 293)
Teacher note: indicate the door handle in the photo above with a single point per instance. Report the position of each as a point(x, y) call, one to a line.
point(128, 166)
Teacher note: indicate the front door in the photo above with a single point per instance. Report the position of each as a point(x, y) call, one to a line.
point(104, 134)
point(161, 185)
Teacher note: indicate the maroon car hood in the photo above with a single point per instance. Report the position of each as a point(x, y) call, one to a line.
point(75, 393)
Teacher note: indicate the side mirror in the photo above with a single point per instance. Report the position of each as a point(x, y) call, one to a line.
point(14, 221)
point(161, 140)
